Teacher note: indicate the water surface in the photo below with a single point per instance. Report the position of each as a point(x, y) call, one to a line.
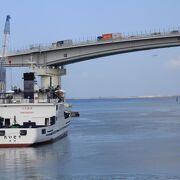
point(113, 139)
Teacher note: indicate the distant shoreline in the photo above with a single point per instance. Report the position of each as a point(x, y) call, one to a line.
point(130, 97)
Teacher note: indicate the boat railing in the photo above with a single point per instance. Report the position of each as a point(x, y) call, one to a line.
point(27, 101)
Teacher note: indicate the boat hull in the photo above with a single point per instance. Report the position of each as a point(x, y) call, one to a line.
point(33, 144)
point(13, 137)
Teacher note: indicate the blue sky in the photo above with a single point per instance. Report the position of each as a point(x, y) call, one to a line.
point(145, 73)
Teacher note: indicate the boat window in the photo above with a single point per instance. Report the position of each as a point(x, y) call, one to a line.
point(56, 107)
point(29, 124)
point(7, 122)
point(53, 118)
point(66, 114)
point(43, 131)
point(23, 132)
point(2, 133)
point(1, 121)
point(46, 121)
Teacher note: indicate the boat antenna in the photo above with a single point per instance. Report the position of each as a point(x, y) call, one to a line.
point(4, 55)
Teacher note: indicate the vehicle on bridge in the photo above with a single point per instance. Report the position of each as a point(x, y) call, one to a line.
point(110, 36)
point(62, 43)
point(175, 32)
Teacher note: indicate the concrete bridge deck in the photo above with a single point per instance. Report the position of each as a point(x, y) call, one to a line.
point(77, 52)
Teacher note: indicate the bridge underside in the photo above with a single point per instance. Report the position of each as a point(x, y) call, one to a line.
point(105, 54)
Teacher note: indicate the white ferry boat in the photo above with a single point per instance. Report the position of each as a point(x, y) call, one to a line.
point(32, 116)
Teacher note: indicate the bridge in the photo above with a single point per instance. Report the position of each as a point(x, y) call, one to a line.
point(69, 53)
point(48, 61)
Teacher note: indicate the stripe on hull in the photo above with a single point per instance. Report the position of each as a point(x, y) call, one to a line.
point(34, 144)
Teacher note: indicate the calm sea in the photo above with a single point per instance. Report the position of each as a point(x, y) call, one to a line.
point(133, 139)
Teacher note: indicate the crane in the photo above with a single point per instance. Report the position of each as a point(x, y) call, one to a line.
point(4, 55)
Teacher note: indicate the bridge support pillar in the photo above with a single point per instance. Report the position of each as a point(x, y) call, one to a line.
point(50, 77)
point(50, 81)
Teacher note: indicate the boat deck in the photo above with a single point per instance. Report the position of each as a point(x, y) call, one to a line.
point(18, 98)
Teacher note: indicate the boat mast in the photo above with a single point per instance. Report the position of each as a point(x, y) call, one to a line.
point(4, 55)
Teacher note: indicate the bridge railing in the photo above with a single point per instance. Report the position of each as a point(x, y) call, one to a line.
point(124, 37)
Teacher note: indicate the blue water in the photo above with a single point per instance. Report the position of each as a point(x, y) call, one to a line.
point(133, 139)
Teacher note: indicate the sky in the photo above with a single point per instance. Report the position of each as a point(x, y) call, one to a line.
point(145, 73)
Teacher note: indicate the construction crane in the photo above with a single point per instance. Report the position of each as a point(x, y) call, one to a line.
point(4, 55)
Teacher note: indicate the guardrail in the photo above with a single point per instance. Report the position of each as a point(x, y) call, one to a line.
point(50, 46)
